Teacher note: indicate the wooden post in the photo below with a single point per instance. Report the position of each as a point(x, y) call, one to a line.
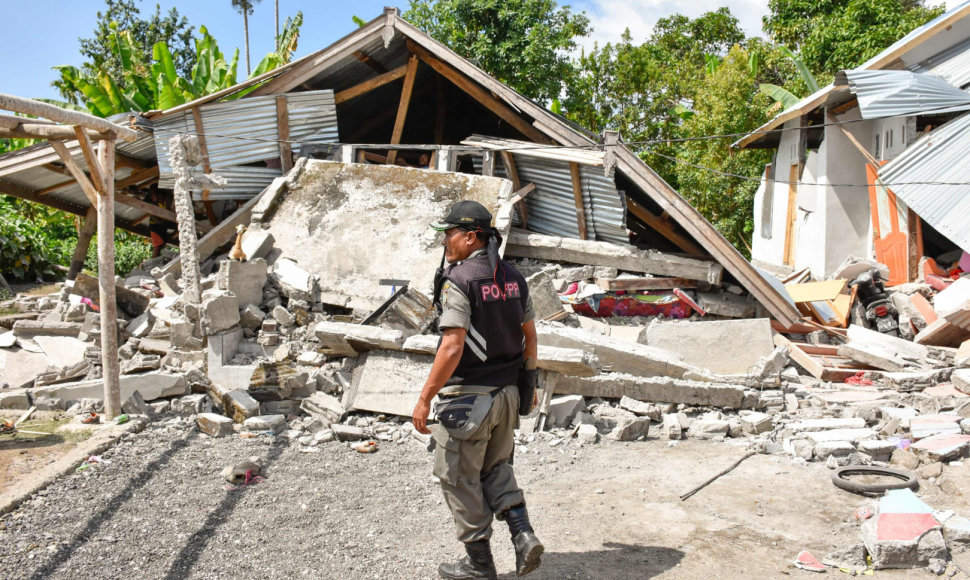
point(283, 128)
point(488, 163)
point(402, 107)
point(513, 174)
point(210, 212)
point(106, 282)
point(83, 241)
point(578, 198)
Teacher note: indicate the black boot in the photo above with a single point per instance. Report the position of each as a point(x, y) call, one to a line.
point(528, 548)
point(477, 564)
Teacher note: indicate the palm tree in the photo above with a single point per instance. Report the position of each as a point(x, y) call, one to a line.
point(245, 7)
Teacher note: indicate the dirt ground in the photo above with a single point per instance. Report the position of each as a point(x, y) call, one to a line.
point(23, 454)
point(159, 509)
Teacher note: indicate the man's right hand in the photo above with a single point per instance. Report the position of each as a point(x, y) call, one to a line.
point(420, 417)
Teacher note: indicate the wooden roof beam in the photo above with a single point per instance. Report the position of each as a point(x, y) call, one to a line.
point(369, 85)
point(484, 97)
point(403, 105)
point(664, 228)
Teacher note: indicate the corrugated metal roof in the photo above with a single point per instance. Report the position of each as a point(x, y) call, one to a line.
point(891, 93)
point(552, 206)
point(952, 64)
point(931, 177)
point(246, 131)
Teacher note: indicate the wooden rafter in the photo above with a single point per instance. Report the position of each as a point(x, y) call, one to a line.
point(369, 85)
point(664, 228)
point(369, 61)
point(513, 174)
point(479, 94)
point(283, 131)
point(403, 105)
point(210, 212)
point(95, 173)
point(82, 178)
point(578, 199)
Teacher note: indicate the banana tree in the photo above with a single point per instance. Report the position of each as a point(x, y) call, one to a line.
point(782, 96)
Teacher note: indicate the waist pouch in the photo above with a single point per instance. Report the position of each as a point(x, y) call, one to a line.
point(464, 414)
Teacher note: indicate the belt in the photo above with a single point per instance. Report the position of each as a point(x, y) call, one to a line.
point(458, 390)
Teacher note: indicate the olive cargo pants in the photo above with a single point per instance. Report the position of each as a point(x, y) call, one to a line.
point(476, 473)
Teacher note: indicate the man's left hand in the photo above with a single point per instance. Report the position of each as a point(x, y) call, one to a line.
point(420, 417)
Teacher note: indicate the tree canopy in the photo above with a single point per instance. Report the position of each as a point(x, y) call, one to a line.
point(523, 43)
point(99, 51)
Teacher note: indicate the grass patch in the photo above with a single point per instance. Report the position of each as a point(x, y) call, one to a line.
point(46, 431)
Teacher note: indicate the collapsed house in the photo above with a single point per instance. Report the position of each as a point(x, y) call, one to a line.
point(869, 166)
point(335, 164)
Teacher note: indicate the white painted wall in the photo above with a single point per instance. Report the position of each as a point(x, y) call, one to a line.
point(771, 248)
point(891, 136)
point(847, 224)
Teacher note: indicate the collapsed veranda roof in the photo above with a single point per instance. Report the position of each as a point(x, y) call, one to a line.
point(361, 69)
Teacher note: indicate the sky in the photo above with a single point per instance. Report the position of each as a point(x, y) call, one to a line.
point(28, 54)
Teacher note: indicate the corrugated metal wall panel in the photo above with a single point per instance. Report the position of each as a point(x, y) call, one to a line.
point(241, 182)
point(607, 205)
point(245, 131)
point(931, 177)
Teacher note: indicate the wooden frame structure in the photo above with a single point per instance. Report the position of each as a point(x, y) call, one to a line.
point(99, 187)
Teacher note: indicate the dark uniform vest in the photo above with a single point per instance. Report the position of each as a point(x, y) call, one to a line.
point(494, 342)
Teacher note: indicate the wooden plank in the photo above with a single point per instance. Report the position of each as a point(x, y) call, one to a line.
point(369, 85)
point(137, 176)
point(578, 199)
point(402, 106)
point(82, 179)
point(662, 227)
point(512, 172)
point(283, 132)
point(813, 291)
point(206, 167)
point(614, 284)
point(815, 365)
point(84, 236)
point(519, 195)
point(152, 209)
point(942, 333)
point(788, 254)
point(479, 94)
point(95, 173)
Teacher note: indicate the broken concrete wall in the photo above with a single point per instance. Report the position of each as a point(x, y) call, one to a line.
point(351, 225)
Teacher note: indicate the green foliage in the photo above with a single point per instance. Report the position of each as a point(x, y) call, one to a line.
point(100, 54)
point(156, 83)
point(646, 91)
point(833, 35)
point(33, 239)
point(522, 43)
point(727, 102)
point(130, 251)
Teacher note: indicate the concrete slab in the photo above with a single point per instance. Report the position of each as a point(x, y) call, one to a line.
point(62, 351)
point(309, 225)
point(616, 355)
point(257, 243)
point(654, 389)
point(942, 447)
point(151, 386)
point(568, 361)
point(220, 311)
point(214, 425)
point(545, 299)
point(925, 426)
point(563, 409)
point(245, 280)
point(904, 534)
point(739, 343)
point(388, 382)
point(826, 423)
point(20, 368)
point(343, 338)
point(851, 435)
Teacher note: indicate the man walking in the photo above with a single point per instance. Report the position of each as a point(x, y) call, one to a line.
point(487, 353)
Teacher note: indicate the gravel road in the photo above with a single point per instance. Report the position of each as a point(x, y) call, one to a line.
point(160, 509)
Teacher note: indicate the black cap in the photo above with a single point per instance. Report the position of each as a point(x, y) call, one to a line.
point(465, 214)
